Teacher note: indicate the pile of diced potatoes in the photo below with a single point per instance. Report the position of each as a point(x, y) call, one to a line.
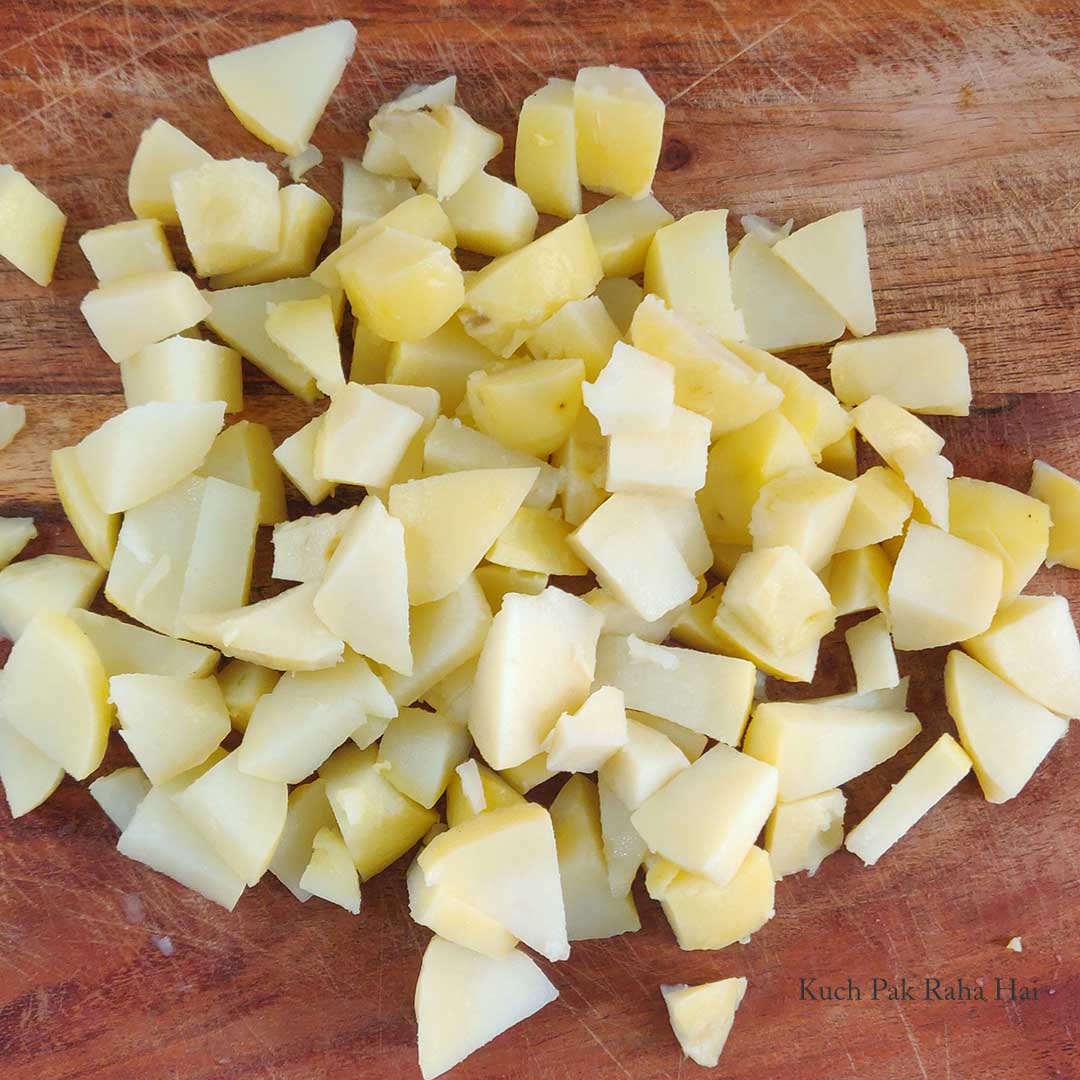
point(590, 516)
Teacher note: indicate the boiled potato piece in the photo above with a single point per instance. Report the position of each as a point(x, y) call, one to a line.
point(303, 547)
point(1006, 735)
point(55, 694)
point(642, 765)
point(841, 457)
point(633, 394)
point(307, 331)
point(927, 475)
point(624, 850)
point(800, 835)
point(943, 589)
point(31, 226)
point(880, 509)
point(366, 196)
point(120, 793)
point(894, 698)
point(15, 534)
point(464, 1000)
point(668, 462)
point(530, 774)
point(28, 776)
point(872, 654)
point(279, 88)
point(818, 747)
point(452, 695)
point(623, 620)
point(12, 421)
point(581, 461)
point(702, 1017)
point(545, 153)
point(475, 788)
point(330, 874)
point(623, 229)
point(859, 580)
point(1062, 494)
point(163, 151)
point(128, 247)
point(583, 740)
point(453, 919)
point(694, 626)
point(243, 685)
point(49, 583)
point(420, 751)
point(491, 216)
point(925, 784)
point(149, 707)
point(536, 540)
point(579, 329)
point(735, 638)
point(307, 815)
point(621, 296)
point(126, 649)
point(184, 369)
point(889, 429)
point(296, 459)
point(537, 662)
point(243, 454)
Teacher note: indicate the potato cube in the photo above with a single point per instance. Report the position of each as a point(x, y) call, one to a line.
point(841, 457)
point(580, 460)
point(642, 765)
point(54, 584)
point(619, 120)
point(880, 509)
point(545, 154)
point(491, 216)
point(927, 475)
point(243, 454)
point(702, 1016)
point(15, 534)
point(31, 226)
point(623, 620)
point(497, 581)
point(126, 248)
point(126, 649)
point(120, 793)
point(536, 540)
point(296, 459)
point(872, 654)
point(583, 740)
point(668, 462)
point(186, 370)
point(303, 547)
point(633, 394)
point(889, 429)
point(28, 776)
point(243, 685)
point(694, 627)
point(622, 230)
point(943, 589)
point(800, 835)
point(12, 421)
point(624, 850)
point(366, 196)
point(163, 151)
point(735, 638)
point(475, 788)
point(579, 329)
point(859, 580)
point(419, 753)
point(307, 331)
point(308, 813)
point(1062, 494)
point(621, 296)
point(330, 873)
point(96, 530)
point(279, 88)
point(529, 774)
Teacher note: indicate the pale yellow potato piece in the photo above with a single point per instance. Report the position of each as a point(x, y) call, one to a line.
point(330, 873)
point(1006, 734)
point(889, 429)
point(464, 1000)
point(943, 589)
point(299, 165)
point(491, 216)
point(243, 686)
point(279, 88)
point(780, 310)
point(619, 122)
point(162, 152)
point(624, 850)
point(96, 530)
point(927, 475)
point(893, 698)
point(120, 793)
point(872, 654)
point(881, 507)
point(545, 153)
point(31, 226)
point(859, 580)
point(296, 459)
point(694, 626)
point(126, 649)
point(307, 331)
point(366, 196)
point(495, 792)
point(515, 293)
point(532, 773)
point(642, 765)
point(709, 378)
point(735, 638)
point(924, 785)
point(307, 814)
point(55, 694)
point(841, 457)
point(1032, 644)
point(184, 369)
point(830, 256)
point(581, 461)
point(126, 248)
point(12, 421)
point(621, 296)
point(1061, 493)
point(702, 1017)
point(133, 312)
point(243, 454)
point(303, 547)
point(497, 581)
point(623, 230)
point(621, 619)
point(537, 662)
point(536, 540)
point(15, 534)
point(371, 356)
point(818, 747)
point(28, 776)
point(419, 752)
point(579, 329)
point(581, 741)
point(53, 584)
point(668, 462)
point(800, 835)
point(385, 158)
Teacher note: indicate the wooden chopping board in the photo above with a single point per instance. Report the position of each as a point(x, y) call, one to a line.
point(957, 127)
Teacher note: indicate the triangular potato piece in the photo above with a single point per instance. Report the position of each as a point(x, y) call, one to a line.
point(307, 331)
point(15, 534)
point(278, 89)
point(464, 1000)
point(28, 776)
point(702, 1016)
point(331, 875)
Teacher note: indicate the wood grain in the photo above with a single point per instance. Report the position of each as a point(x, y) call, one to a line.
point(957, 127)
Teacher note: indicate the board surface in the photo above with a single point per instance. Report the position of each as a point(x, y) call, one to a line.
point(957, 127)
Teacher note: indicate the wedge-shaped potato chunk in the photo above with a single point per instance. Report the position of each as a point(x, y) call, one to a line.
point(694, 626)
point(303, 547)
point(307, 815)
point(296, 459)
point(872, 654)
point(435, 907)
point(163, 151)
point(184, 369)
point(545, 154)
point(927, 475)
point(633, 394)
point(580, 329)
point(621, 296)
point(702, 1017)
point(859, 580)
point(366, 196)
point(624, 850)
point(48, 584)
point(491, 216)
point(925, 784)
point(818, 747)
point(780, 310)
point(1062, 494)
point(330, 873)
point(170, 723)
point(943, 589)
point(730, 795)
point(841, 457)
point(147, 449)
point(668, 462)
point(243, 454)
point(642, 766)
point(619, 120)
point(125, 649)
point(420, 751)
point(31, 226)
point(451, 521)
point(120, 793)
point(307, 715)
point(504, 863)
point(889, 429)
point(704, 915)
point(623, 230)
point(475, 788)
point(128, 247)
point(464, 1000)
point(278, 89)
point(800, 835)
point(1032, 645)
point(623, 620)
point(735, 638)
point(55, 694)
point(537, 662)
point(307, 331)
point(15, 534)
point(28, 776)
point(242, 686)
point(1006, 735)
point(830, 256)
point(880, 509)
point(583, 740)
point(12, 421)
point(690, 742)
point(581, 462)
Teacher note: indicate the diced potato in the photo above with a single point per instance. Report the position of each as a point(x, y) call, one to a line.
point(464, 1000)
point(530, 774)
point(307, 815)
point(451, 521)
point(619, 120)
point(709, 378)
point(296, 459)
point(779, 599)
point(623, 230)
point(243, 454)
point(943, 589)
point(307, 331)
point(545, 154)
point(841, 457)
point(419, 753)
point(704, 915)
point(31, 226)
point(96, 530)
point(279, 88)
point(163, 151)
point(126, 649)
point(330, 874)
point(621, 296)
point(1007, 523)
point(872, 654)
point(927, 475)
point(780, 310)
point(28, 776)
point(818, 747)
point(830, 256)
point(580, 329)
point(536, 540)
point(800, 835)
point(880, 509)
point(371, 357)
point(537, 662)
point(126, 248)
point(365, 196)
point(642, 766)
point(729, 795)
point(133, 312)
point(859, 580)
point(15, 534)
point(497, 581)
point(491, 216)
point(303, 547)
point(581, 461)
point(120, 793)
point(889, 429)
point(621, 619)
point(694, 627)
point(1032, 644)
point(53, 584)
point(1006, 734)
point(668, 462)
point(582, 741)
point(504, 863)
point(735, 638)
point(186, 370)
point(515, 293)
point(624, 850)
point(462, 802)
point(12, 421)
point(925, 784)
point(702, 1017)
point(1062, 494)
point(242, 686)
point(238, 317)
